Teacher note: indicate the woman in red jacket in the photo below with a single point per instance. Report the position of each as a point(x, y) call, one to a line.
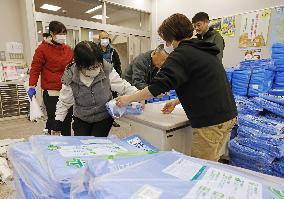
point(49, 62)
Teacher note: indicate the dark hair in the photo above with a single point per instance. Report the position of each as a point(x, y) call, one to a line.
point(87, 53)
point(176, 27)
point(45, 34)
point(57, 27)
point(201, 16)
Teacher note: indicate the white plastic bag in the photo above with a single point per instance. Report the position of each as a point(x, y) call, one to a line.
point(35, 111)
point(5, 171)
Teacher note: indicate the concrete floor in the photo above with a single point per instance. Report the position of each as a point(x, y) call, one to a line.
point(23, 128)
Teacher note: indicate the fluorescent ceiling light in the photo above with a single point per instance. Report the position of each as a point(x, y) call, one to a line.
point(50, 7)
point(99, 17)
point(94, 9)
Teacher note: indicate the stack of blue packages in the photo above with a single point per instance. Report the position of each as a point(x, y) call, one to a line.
point(277, 92)
point(171, 95)
point(246, 106)
point(270, 106)
point(63, 157)
point(246, 157)
point(273, 98)
point(258, 64)
point(261, 123)
point(278, 56)
point(278, 167)
point(240, 81)
point(169, 175)
point(229, 73)
point(273, 116)
point(261, 82)
point(272, 145)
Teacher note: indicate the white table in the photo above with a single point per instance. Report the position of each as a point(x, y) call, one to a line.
point(164, 131)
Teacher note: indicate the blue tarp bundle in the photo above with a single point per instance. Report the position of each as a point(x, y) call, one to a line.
point(270, 106)
point(261, 123)
point(257, 64)
point(278, 56)
point(273, 98)
point(260, 82)
point(246, 106)
point(279, 80)
point(277, 92)
point(240, 81)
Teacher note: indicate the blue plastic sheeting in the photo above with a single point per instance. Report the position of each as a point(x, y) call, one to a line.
point(278, 92)
point(257, 64)
point(249, 155)
point(229, 73)
point(240, 82)
point(140, 143)
point(133, 108)
point(273, 98)
point(279, 80)
point(273, 116)
point(80, 185)
point(62, 157)
point(270, 106)
point(246, 106)
point(278, 168)
point(261, 82)
point(261, 123)
point(32, 181)
point(149, 177)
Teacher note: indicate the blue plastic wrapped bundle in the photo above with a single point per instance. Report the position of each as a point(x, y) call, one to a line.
point(261, 123)
point(240, 82)
point(270, 106)
point(246, 106)
point(257, 64)
point(229, 73)
point(275, 117)
point(63, 157)
point(277, 92)
point(261, 82)
point(249, 155)
point(273, 98)
point(278, 48)
point(32, 181)
point(278, 167)
point(279, 80)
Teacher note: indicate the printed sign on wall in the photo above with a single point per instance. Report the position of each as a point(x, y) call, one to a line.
point(228, 26)
point(254, 29)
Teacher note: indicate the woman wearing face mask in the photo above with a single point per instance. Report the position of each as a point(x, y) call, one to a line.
point(87, 86)
point(49, 62)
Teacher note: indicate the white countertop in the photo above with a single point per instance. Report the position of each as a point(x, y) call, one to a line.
point(153, 116)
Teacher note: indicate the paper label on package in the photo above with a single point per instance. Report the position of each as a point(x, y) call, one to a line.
point(90, 150)
point(255, 86)
point(96, 141)
point(184, 169)
point(218, 184)
point(147, 192)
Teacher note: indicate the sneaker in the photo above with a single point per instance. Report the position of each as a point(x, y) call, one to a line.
point(115, 124)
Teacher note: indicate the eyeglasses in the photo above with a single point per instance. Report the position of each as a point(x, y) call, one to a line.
point(95, 66)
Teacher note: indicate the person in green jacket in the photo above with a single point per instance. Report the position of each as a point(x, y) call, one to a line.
point(204, 32)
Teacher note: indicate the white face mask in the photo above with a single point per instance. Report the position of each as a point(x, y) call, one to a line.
point(61, 39)
point(93, 73)
point(104, 42)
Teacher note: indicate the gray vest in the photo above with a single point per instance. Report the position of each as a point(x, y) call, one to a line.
point(90, 102)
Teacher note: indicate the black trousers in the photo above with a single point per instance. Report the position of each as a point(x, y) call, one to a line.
point(50, 104)
point(97, 129)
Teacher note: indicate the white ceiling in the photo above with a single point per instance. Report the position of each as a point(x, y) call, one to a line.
point(77, 8)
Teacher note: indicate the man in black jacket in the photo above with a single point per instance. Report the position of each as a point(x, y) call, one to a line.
point(145, 66)
point(204, 32)
point(200, 81)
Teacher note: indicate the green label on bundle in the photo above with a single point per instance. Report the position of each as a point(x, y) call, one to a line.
point(278, 193)
point(76, 162)
point(53, 147)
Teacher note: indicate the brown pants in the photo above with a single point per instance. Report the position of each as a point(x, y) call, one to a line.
point(207, 142)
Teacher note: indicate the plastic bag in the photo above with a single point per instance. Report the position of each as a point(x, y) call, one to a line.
point(260, 82)
point(273, 98)
point(140, 143)
point(246, 106)
point(35, 110)
point(133, 108)
point(240, 82)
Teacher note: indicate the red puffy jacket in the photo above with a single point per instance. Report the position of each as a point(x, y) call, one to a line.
point(50, 61)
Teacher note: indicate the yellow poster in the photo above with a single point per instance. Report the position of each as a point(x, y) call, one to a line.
point(228, 26)
point(254, 29)
point(216, 24)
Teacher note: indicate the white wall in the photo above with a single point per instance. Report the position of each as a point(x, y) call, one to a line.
point(10, 22)
point(215, 8)
point(142, 5)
